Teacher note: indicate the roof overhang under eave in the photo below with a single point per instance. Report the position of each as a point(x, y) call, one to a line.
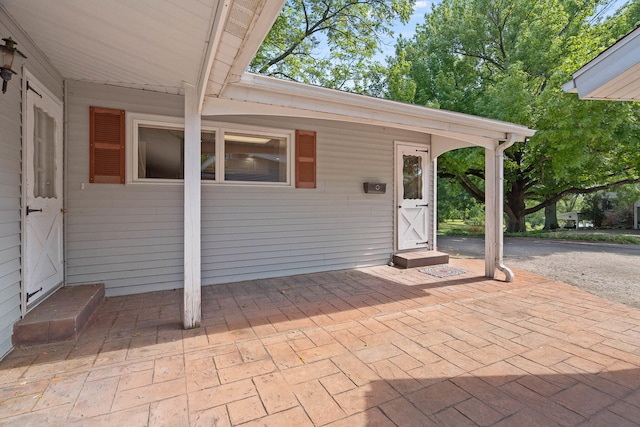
point(612, 75)
point(121, 43)
point(260, 95)
point(242, 27)
point(206, 43)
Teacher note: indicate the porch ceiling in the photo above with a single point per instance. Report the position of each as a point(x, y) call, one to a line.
point(147, 44)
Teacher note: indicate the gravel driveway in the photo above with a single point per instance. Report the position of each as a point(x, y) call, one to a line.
point(611, 271)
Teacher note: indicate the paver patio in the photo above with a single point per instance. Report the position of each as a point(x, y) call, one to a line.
point(367, 347)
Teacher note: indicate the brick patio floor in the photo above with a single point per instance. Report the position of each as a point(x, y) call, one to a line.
point(367, 347)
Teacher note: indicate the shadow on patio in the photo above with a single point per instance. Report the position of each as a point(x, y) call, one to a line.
point(520, 399)
point(373, 346)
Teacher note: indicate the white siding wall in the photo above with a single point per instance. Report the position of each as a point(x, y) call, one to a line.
point(130, 237)
point(11, 176)
point(10, 187)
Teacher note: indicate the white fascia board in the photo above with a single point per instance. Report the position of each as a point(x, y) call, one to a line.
point(611, 64)
point(298, 98)
point(257, 32)
point(230, 107)
point(219, 17)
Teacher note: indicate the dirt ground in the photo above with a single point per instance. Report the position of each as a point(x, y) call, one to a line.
point(611, 271)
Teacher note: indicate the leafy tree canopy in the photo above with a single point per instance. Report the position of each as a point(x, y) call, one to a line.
point(330, 43)
point(507, 60)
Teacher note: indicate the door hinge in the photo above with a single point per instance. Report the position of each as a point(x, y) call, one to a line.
point(29, 295)
point(29, 87)
point(29, 210)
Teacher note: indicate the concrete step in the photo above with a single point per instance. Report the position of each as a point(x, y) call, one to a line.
point(420, 259)
point(61, 317)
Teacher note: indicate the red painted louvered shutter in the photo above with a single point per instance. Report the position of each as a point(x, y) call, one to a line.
point(106, 146)
point(305, 159)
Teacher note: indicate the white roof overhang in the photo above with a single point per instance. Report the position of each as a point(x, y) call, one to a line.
point(612, 75)
point(152, 45)
point(260, 95)
point(160, 44)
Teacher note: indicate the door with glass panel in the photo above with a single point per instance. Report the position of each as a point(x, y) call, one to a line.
point(412, 170)
point(42, 193)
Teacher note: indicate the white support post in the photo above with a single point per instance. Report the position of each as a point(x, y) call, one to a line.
point(434, 204)
point(192, 292)
point(490, 220)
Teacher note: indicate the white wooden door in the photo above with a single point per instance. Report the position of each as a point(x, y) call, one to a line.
point(42, 201)
point(412, 170)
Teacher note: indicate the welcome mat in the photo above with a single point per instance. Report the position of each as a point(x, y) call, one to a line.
point(442, 271)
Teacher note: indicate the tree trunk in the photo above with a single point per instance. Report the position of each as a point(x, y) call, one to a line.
point(551, 217)
point(516, 212)
point(516, 224)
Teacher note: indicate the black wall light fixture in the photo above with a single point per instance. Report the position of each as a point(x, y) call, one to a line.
point(8, 53)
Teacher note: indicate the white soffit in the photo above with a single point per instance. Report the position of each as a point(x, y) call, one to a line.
point(143, 44)
point(246, 24)
point(612, 75)
point(261, 95)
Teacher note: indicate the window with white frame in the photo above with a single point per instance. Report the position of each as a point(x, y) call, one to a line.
point(230, 153)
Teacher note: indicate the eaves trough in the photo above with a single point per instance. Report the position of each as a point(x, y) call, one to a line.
point(260, 95)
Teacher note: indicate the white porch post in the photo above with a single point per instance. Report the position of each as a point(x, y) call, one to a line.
point(490, 220)
point(434, 204)
point(192, 293)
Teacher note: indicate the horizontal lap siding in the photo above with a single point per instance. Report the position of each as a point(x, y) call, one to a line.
point(11, 175)
point(130, 236)
point(10, 228)
point(260, 232)
point(127, 236)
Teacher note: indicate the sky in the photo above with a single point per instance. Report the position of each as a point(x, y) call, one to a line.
point(406, 30)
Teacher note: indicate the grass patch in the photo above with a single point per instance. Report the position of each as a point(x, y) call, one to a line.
point(460, 228)
point(589, 236)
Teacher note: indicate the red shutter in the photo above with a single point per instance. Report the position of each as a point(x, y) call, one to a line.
point(106, 146)
point(305, 159)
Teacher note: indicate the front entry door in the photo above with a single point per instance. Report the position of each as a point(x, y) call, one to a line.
point(42, 208)
point(412, 170)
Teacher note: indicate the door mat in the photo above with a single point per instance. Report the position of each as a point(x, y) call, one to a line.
point(442, 271)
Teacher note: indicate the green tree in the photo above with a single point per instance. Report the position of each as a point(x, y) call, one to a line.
point(454, 203)
point(507, 60)
point(330, 43)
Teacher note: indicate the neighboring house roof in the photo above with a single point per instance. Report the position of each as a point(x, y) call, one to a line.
point(612, 75)
point(157, 45)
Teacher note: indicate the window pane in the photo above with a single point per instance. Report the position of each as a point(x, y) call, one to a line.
point(255, 158)
point(161, 153)
point(412, 177)
point(44, 165)
point(208, 155)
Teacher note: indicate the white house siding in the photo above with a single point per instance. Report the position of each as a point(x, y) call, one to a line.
point(251, 232)
point(10, 188)
point(127, 236)
point(11, 175)
point(130, 236)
